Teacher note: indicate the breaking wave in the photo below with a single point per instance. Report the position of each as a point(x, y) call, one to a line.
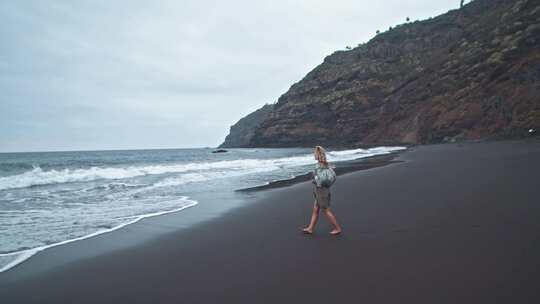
point(37, 176)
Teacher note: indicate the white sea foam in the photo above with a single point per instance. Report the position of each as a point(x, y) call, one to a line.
point(209, 175)
point(37, 176)
point(15, 258)
point(183, 179)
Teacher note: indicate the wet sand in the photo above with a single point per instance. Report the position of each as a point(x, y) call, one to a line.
point(457, 223)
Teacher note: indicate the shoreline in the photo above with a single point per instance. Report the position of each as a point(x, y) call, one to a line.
point(342, 167)
point(451, 223)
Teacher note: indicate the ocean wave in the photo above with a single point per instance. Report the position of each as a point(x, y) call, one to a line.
point(113, 186)
point(337, 154)
point(37, 176)
point(206, 176)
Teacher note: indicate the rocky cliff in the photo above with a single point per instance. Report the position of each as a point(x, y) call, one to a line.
point(241, 132)
point(470, 73)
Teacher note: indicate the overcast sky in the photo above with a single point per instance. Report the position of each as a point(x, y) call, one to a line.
point(92, 75)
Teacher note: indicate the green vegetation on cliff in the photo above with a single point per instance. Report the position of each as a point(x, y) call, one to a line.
point(471, 73)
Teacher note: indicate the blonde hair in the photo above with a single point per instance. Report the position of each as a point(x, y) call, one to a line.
point(320, 155)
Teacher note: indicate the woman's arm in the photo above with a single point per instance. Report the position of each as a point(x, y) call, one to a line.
point(315, 178)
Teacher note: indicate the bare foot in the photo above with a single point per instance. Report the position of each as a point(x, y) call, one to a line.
point(335, 232)
point(307, 231)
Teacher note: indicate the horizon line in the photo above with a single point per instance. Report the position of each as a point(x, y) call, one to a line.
point(105, 150)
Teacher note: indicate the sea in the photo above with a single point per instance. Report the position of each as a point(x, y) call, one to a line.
point(53, 198)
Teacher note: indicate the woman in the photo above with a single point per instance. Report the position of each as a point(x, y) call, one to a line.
point(322, 197)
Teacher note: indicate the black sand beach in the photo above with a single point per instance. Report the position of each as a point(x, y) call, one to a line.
point(456, 223)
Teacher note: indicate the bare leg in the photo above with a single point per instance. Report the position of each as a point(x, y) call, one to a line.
point(332, 218)
point(314, 218)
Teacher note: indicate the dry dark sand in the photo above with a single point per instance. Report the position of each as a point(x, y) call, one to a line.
point(453, 223)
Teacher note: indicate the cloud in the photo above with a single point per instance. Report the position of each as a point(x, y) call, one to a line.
point(139, 74)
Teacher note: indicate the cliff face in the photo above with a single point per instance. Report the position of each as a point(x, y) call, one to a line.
point(470, 73)
point(241, 132)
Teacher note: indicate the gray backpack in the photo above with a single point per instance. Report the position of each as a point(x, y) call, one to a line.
point(324, 177)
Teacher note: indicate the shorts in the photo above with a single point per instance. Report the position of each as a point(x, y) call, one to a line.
point(322, 196)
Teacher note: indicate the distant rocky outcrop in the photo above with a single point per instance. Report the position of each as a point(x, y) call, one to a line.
point(471, 73)
point(241, 132)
